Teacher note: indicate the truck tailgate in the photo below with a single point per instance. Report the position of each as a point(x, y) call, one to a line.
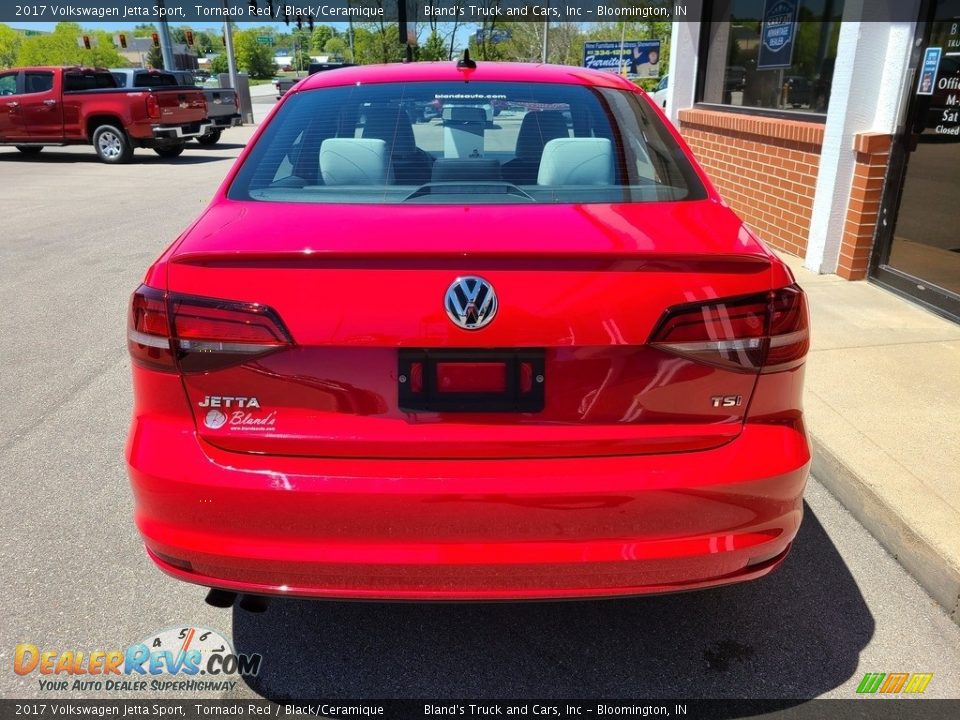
point(221, 101)
point(180, 105)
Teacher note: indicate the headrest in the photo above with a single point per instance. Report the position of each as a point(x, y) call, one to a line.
point(392, 125)
point(353, 161)
point(538, 128)
point(576, 161)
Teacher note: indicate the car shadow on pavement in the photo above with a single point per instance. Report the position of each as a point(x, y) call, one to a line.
point(142, 157)
point(794, 634)
point(219, 146)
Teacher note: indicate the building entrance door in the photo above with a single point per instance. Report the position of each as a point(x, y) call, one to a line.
point(918, 248)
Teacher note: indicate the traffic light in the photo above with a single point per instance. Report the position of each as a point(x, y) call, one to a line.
point(188, 34)
point(122, 37)
point(156, 39)
point(86, 42)
point(310, 22)
point(299, 22)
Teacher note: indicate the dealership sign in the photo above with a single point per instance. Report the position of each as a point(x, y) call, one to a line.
point(778, 34)
point(636, 57)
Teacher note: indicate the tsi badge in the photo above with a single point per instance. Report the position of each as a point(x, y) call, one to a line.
point(726, 401)
point(237, 413)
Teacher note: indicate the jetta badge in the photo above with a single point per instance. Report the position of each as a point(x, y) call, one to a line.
point(471, 302)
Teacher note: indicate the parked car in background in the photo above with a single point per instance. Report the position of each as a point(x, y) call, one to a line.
point(797, 91)
point(546, 360)
point(284, 84)
point(223, 104)
point(72, 105)
point(660, 94)
point(734, 78)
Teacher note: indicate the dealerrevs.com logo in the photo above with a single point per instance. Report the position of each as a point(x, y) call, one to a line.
point(894, 683)
point(184, 659)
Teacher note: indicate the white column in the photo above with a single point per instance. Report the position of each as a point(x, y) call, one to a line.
point(684, 48)
point(866, 96)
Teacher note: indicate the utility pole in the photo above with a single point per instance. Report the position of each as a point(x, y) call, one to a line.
point(231, 56)
point(546, 38)
point(166, 44)
point(228, 43)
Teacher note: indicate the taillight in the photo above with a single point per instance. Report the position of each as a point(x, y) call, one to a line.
point(236, 101)
point(199, 334)
point(153, 106)
point(148, 332)
point(767, 332)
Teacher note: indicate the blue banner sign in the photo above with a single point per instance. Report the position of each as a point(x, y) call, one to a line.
point(928, 73)
point(778, 34)
point(639, 58)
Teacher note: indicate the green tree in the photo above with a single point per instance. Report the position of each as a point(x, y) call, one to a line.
point(62, 47)
point(301, 60)
point(144, 29)
point(9, 45)
point(204, 42)
point(377, 43)
point(254, 58)
point(337, 49)
point(434, 48)
point(322, 34)
point(154, 58)
point(219, 64)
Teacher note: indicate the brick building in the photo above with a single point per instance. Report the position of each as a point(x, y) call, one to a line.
point(839, 147)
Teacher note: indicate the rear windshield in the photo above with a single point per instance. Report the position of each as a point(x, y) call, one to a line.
point(455, 142)
point(154, 80)
point(75, 81)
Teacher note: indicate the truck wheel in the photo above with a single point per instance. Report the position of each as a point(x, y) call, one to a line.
point(169, 151)
point(30, 149)
point(112, 145)
point(211, 138)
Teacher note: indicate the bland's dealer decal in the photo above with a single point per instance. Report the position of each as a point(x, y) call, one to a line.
point(175, 659)
point(237, 413)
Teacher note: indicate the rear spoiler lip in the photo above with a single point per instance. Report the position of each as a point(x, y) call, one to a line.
point(434, 260)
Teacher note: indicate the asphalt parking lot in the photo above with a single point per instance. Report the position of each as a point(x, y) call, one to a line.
point(75, 239)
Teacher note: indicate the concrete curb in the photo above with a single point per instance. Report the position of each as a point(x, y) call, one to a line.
point(925, 563)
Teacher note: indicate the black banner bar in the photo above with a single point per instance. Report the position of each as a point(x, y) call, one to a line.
point(865, 708)
point(463, 11)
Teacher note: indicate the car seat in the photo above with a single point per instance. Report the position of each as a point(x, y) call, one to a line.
point(536, 130)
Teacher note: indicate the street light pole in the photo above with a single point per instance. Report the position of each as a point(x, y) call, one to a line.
point(166, 44)
point(546, 38)
point(231, 57)
point(228, 43)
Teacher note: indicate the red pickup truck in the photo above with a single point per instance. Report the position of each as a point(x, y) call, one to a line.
point(42, 106)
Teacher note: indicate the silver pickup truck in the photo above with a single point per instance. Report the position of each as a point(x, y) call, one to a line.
point(223, 108)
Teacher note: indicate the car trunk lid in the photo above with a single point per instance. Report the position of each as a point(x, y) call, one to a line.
point(577, 308)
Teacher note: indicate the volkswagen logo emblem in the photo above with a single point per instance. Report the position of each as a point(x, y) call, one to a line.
point(471, 302)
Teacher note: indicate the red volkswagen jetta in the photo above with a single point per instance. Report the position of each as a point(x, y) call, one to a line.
point(520, 349)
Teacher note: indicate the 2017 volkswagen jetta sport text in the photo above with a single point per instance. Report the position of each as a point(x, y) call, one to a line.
point(462, 358)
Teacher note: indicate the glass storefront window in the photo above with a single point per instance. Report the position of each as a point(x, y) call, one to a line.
point(921, 256)
point(786, 65)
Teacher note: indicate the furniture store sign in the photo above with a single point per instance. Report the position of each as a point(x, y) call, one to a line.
point(639, 58)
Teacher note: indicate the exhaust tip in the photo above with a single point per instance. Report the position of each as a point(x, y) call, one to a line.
point(254, 603)
point(220, 598)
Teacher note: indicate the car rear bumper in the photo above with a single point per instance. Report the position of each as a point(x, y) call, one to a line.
point(224, 122)
point(446, 529)
point(182, 132)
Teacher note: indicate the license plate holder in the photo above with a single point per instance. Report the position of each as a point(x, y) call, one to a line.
point(523, 381)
